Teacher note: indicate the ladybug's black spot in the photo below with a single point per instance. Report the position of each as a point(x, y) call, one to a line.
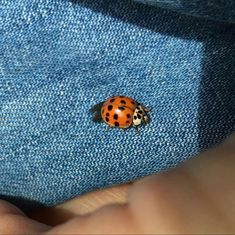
point(112, 100)
point(140, 112)
point(107, 114)
point(115, 116)
point(116, 124)
point(107, 119)
point(128, 115)
point(127, 122)
point(110, 107)
point(121, 108)
point(123, 101)
point(132, 102)
point(135, 117)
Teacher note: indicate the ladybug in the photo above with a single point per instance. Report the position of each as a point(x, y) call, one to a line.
point(121, 112)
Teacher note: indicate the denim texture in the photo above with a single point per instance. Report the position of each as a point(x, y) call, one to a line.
point(59, 58)
point(220, 10)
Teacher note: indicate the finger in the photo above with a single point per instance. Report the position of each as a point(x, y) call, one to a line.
point(214, 171)
point(197, 196)
point(14, 221)
point(82, 205)
point(176, 201)
point(111, 219)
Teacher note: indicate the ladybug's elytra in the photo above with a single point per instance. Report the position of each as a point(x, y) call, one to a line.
point(121, 111)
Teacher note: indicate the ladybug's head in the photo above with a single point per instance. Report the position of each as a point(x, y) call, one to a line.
point(140, 115)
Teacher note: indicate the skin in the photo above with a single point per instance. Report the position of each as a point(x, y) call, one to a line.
point(196, 197)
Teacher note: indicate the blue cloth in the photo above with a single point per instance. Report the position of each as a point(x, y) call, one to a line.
point(219, 10)
point(59, 58)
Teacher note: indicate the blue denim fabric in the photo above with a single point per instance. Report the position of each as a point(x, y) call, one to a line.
point(59, 58)
point(221, 10)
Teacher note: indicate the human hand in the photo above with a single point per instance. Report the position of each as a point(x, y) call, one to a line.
point(195, 197)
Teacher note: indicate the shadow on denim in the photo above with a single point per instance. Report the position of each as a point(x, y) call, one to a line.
point(25, 204)
point(221, 10)
point(217, 92)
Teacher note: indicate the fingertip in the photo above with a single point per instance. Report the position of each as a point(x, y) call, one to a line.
point(8, 208)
